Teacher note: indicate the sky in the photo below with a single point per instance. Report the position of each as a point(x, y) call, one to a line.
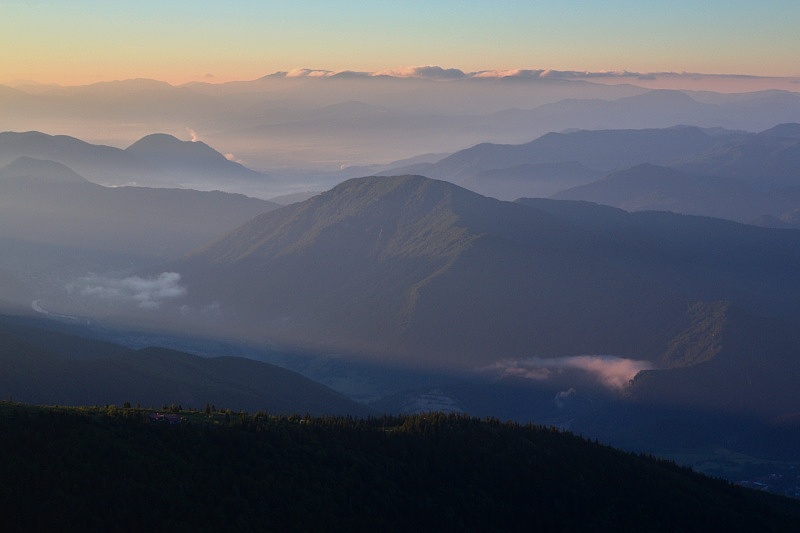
point(86, 41)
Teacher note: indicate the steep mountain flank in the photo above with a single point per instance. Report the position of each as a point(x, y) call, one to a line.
point(700, 257)
point(422, 269)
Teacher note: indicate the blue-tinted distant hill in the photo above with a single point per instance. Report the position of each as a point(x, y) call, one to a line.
point(650, 187)
point(666, 108)
point(56, 226)
point(157, 160)
point(766, 161)
point(47, 202)
point(749, 178)
point(193, 159)
point(557, 161)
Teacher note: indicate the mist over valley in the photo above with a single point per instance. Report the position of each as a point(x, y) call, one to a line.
point(610, 259)
point(393, 266)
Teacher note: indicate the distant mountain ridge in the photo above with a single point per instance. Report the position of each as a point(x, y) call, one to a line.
point(167, 152)
point(31, 168)
point(766, 161)
point(319, 121)
point(596, 153)
point(47, 202)
point(156, 160)
point(57, 227)
point(651, 187)
point(749, 178)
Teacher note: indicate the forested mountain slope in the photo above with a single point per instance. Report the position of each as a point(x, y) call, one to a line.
point(218, 471)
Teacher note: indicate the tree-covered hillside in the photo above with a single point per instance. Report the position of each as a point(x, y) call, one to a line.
point(113, 468)
point(41, 365)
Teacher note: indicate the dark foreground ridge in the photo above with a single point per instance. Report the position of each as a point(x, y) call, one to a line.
point(111, 468)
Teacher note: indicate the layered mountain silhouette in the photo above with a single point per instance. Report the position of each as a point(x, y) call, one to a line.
point(571, 158)
point(188, 158)
point(664, 108)
point(531, 179)
point(320, 123)
point(766, 161)
point(749, 178)
point(47, 202)
point(89, 160)
point(29, 168)
point(56, 226)
point(651, 187)
point(158, 160)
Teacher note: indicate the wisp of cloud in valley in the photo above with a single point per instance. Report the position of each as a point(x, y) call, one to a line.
point(611, 371)
point(145, 293)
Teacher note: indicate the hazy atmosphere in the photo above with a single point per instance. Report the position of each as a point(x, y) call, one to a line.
point(340, 242)
point(87, 41)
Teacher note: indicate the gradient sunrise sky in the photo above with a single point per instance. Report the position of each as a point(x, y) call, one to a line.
point(85, 41)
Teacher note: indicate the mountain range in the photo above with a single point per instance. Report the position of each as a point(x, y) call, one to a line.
point(642, 288)
point(561, 160)
point(412, 270)
point(746, 177)
point(749, 178)
point(296, 124)
point(156, 160)
point(651, 187)
point(583, 315)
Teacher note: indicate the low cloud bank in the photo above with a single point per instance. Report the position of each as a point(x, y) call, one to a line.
point(649, 79)
point(562, 397)
point(440, 73)
point(612, 372)
point(146, 293)
point(436, 72)
point(427, 71)
point(309, 73)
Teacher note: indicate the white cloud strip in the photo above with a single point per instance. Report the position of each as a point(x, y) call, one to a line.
point(440, 73)
point(613, 372)
point(146, 293)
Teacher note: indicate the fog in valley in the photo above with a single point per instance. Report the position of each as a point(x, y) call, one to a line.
point(588, 250)
point(309, 129)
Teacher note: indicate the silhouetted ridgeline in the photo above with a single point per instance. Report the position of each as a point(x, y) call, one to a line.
point(111, 468)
